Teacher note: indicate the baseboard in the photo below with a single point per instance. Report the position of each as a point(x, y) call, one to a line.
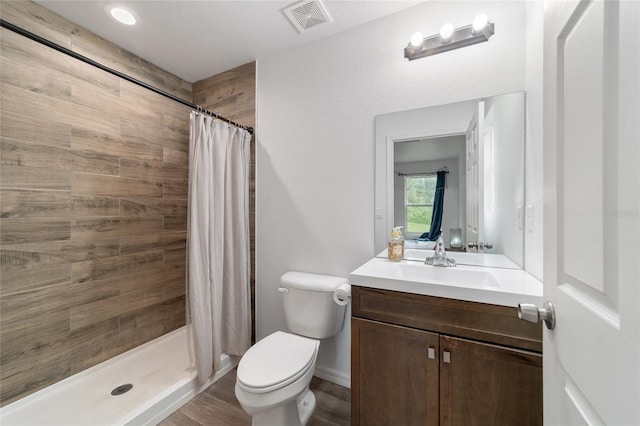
point(333, 376)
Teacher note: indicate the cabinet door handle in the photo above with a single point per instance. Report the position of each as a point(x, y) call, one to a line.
point(431, 353)
point(446, 356)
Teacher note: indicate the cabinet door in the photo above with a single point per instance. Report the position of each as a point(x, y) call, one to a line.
point(483, 384)
point(394, 381)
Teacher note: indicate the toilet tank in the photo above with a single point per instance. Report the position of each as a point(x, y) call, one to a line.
point(309, 307)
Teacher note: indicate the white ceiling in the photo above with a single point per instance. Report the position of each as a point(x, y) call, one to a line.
point(429, 149)
point(197, 39)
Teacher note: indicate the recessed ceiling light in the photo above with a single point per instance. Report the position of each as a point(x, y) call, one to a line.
point(122, 15)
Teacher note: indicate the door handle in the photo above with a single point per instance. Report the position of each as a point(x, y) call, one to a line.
point(531, 313)
point(479, 245)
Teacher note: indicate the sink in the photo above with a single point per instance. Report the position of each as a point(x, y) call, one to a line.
point(498, 286)
point(417, 254)
point(419, 272)
point(461, 275)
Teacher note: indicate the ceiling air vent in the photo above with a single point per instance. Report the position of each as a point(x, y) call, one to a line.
point(306, 14)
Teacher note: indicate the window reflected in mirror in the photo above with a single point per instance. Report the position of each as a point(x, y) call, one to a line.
point(419, 192)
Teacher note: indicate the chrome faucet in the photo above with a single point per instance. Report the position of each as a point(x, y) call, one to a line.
point(440, 256)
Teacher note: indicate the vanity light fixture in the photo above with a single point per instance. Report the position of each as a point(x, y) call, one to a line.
point(416, 40)
point(479, 23)
point(446, 31)
point(449, 38)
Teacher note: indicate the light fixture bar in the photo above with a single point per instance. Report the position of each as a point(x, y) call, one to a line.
point(461, 37)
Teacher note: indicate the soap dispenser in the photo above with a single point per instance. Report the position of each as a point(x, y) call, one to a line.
point(395, 250)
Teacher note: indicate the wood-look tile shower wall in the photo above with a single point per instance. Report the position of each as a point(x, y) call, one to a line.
point(93, 203)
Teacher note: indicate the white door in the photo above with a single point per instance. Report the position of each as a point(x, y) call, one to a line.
point(475, 176)
point(592, 212)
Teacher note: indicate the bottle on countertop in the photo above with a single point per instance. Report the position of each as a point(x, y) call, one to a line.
point(395, 249)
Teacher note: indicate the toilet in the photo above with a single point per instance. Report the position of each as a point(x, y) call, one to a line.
point(272, 383)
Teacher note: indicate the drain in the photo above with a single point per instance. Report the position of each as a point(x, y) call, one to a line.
point(121, 389)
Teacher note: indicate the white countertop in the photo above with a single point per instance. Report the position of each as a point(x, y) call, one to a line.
point(496, 286)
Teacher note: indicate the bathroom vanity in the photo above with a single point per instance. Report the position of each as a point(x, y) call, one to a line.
point(434, 346)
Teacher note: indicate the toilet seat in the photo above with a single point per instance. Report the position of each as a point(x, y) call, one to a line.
point(276, 361)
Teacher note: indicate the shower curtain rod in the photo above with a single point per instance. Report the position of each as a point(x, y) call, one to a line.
point(62, 49)
point(422, 174)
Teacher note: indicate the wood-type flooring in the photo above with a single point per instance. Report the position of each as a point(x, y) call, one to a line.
point(218, 406)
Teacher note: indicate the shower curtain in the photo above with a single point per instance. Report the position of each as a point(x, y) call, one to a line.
point(218, 259)
point(438, 207)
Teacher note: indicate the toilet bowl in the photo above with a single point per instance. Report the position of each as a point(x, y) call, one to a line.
point(272, 383)
point(278, 394)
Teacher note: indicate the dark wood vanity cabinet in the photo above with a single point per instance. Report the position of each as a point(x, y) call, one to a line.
point(423, 360)
point(396, 381)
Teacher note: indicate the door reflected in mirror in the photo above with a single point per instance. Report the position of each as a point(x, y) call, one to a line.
point(478, 146)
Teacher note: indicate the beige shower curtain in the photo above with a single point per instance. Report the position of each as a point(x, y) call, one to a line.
point(218, 271)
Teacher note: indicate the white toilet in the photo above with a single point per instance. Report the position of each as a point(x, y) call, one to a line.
point(273, 378)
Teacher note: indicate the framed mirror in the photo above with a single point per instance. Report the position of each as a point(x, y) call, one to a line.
point(478, 144)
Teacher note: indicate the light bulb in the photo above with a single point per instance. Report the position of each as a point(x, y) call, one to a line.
point(416, 39)
point(446, 31)
point(479, 22)
point(123, 16)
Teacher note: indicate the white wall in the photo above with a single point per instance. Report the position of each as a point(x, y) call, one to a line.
point(533, 239)
point(504, 180)
point(315, 140)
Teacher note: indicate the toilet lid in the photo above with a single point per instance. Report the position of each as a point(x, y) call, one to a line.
point(277, 359)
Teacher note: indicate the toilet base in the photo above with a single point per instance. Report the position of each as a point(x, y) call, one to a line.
point(306, 405)
point(294, 413)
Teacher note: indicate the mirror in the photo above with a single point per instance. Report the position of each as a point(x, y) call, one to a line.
point(479, 144)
